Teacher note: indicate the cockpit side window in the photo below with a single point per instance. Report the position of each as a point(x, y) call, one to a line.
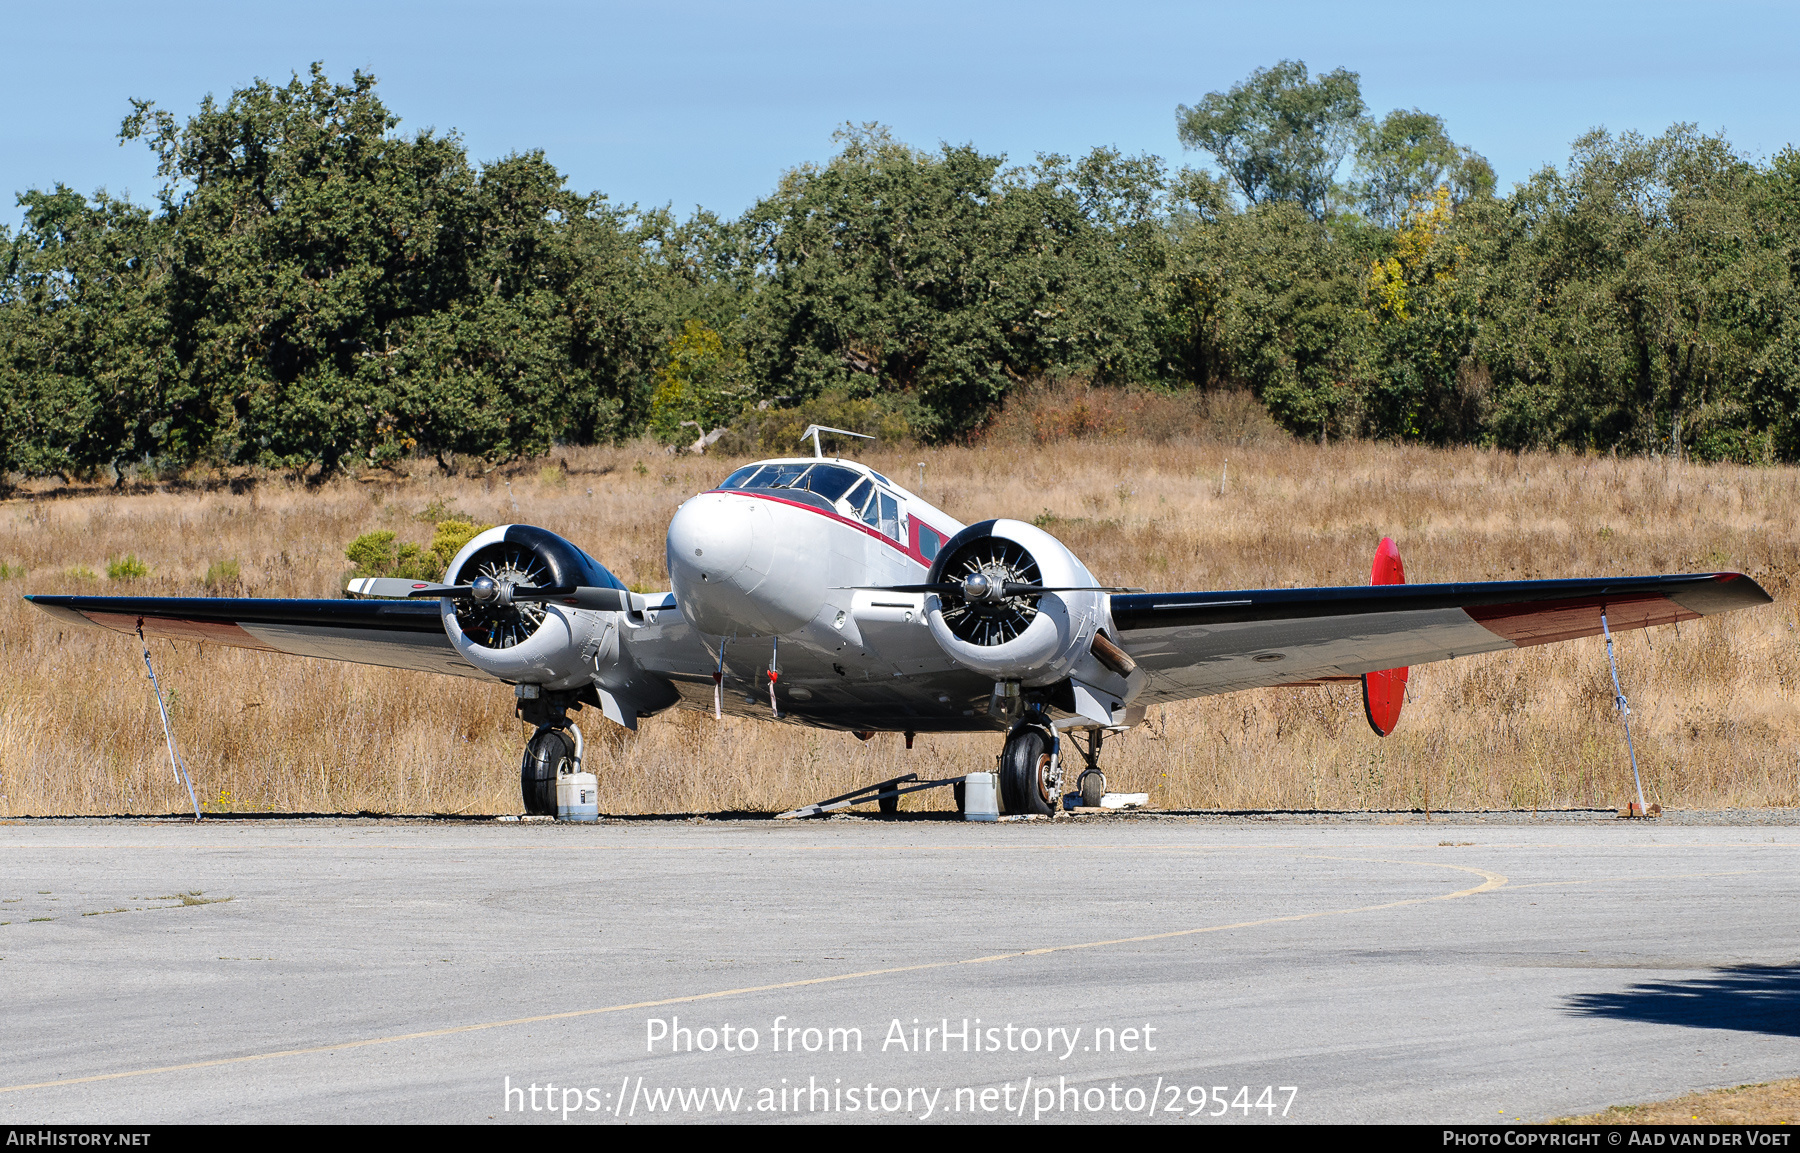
point(890, 516)
point(829, 480)
point(858, 496)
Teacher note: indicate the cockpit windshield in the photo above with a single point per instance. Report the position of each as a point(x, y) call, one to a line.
point(847, 492)
point(830, 481)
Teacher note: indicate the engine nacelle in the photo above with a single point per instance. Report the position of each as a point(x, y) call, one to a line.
point(540, 643)
point(1037, 641)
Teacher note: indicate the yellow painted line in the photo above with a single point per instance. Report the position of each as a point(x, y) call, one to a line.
point(1490, 882)
point(1641, 877)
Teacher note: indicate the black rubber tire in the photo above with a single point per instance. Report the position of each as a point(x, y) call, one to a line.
point(889, 805)
point(1093, 787)
point(546, 756)
point(1023, 788)
point(957, 791)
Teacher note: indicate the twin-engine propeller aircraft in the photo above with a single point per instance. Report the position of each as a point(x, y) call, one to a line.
point(816, 591)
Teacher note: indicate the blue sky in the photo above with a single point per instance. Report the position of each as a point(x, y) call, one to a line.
point(708, 103)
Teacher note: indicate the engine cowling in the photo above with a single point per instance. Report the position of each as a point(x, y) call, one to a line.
point(547, 644)
point(1036, 641)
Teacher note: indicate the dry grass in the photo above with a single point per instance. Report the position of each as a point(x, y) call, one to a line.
point(1714, 708)
point(1776, 1103)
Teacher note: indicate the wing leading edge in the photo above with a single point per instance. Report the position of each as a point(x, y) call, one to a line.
point(1197, 644)
point(393, 634)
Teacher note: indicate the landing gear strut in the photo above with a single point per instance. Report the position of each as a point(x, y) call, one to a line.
point(549, 754)
point(1030, 771)
point(1091, 784)
point(553, 750)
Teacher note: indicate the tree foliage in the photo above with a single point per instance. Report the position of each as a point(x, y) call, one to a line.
point(1279, 135)
point(315, 290)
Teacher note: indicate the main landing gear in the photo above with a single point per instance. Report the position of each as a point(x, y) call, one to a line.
point(553, 750)
point(1030, 769)
point(1031, 775)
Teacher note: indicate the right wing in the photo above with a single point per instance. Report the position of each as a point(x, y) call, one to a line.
point(1198, 644)
point(395, 634)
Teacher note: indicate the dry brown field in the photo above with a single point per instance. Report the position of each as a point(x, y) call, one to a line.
point(1774, 1103)
point(1223, 505)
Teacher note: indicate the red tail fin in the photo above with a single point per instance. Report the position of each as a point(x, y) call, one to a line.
point(1385, 691)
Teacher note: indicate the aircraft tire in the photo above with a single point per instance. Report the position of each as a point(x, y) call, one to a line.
point(889, 806)
point(1025, 786)
point(1093, 787)
point(546, 755)
point(956, 791)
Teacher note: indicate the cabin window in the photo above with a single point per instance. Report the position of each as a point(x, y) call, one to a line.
point(890, 516)
point(929, 543)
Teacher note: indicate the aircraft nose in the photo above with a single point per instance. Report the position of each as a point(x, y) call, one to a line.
point(735, 569)
point(709, 539)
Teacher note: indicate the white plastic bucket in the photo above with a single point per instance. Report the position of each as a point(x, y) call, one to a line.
point(980, 802)
point(577, 797)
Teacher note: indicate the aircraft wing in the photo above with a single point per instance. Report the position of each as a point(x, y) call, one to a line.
point(1197, 644)
point(393, 633)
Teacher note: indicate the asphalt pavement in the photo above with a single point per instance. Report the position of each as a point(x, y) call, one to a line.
point(911, 971)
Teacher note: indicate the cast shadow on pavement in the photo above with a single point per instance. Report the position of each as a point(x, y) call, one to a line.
point(1753, 998)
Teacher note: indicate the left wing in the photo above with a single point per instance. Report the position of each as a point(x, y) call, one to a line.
point(395, 634)
point(1197, 644)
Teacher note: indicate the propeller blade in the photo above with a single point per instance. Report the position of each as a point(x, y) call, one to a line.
point(1020, 589)
point(438, 592)
point(944, 587)
point(1009, 589)
point(576, 596)
point(579, 596)
point(395, 587)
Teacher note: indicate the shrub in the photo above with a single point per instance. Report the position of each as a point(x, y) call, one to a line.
point(8, 572)
point(81, 572)
point(380, 554)
point(222, 574)
point(126, 568)
point(891, 419)
point(450, 537)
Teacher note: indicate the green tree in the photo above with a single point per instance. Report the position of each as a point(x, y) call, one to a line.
point(339, 292)
point(1268, 300)
point(702, 384)
point(1419, 383)
point(86, 370)
point(940, 277)
point(1404, 158)
point(1279, 135)
point(1626, 299)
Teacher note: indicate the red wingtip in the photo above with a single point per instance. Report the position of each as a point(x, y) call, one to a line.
point(1385, 691)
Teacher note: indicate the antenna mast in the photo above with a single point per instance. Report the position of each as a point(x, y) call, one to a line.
point(813, 431)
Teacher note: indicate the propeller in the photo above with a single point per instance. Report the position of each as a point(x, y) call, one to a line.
point(487, 592)
point(976, 581)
